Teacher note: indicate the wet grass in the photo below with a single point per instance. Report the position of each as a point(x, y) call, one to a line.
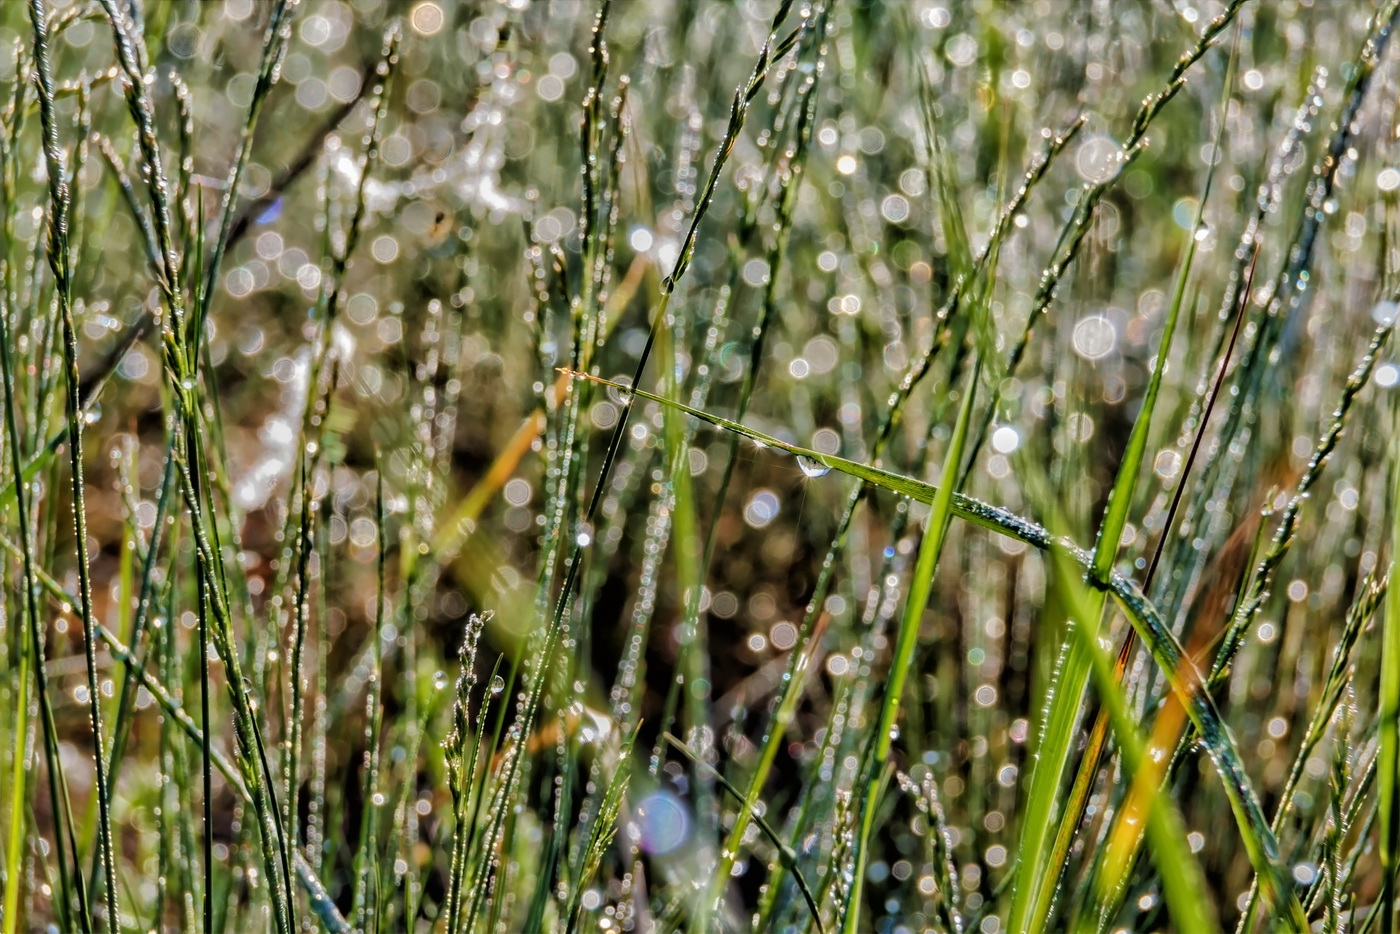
point(791, 466)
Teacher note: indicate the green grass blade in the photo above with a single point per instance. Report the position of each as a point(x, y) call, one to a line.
point(935, 534)
point(60, 257)
point(1388, 760)
point(1183, 880)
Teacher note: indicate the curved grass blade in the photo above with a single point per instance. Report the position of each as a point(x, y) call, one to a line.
point(786, 854)
point(795, 676)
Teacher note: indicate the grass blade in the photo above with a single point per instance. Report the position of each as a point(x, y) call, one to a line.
point(1388, 759)
point(930, 549)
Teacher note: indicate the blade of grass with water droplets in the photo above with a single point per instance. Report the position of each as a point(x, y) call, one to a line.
point(31, 659)
point(232, 774)
point(1370, 598)
point(181, 358)
point(60, 262)
point(1183, 881)
point(60, 257)
point(920, 590)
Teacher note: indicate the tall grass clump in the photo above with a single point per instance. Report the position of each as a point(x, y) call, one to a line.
point(794, 465)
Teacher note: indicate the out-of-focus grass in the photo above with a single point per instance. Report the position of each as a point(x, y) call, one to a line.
point(329, 601)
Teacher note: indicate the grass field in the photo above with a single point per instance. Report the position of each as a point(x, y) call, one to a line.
point(780, 465)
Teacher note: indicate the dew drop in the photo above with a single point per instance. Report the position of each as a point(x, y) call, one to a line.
point(812, 467)
point(498, 684)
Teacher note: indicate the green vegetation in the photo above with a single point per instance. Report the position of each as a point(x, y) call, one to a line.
point(805, 466)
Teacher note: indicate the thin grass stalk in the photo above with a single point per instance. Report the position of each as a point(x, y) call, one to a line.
point(790, 184)
point(788, 174)
point(167, 847)
point(1285, 534)
point(1256, 592)
point(331, 294)
point(601, 832)
point(60, 264)
point(317, 807)
point(1072, 235)
point(29, 619)
point(33, 657)
point(242, 223)
point(688, 550)
point(568, 439)
point(291, 762)
point(920, 590)
point(569, 447)
point(169, 668)
point(743, 97)
point(374, 724)
point(945, 870)
point(461, 770)
point(1289, 292)
point(481, 784)
point(274, 49)
point(1339, 680)
point(293, 718)
point(626, 695)
point(659, 319)
point(1361, 802)
point(1388, 715)
point(1338, 781)
point(145, 603)
point(206, 722)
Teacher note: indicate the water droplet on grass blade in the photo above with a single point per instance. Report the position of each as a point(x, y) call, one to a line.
point(812, 467)
point(498, 684)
